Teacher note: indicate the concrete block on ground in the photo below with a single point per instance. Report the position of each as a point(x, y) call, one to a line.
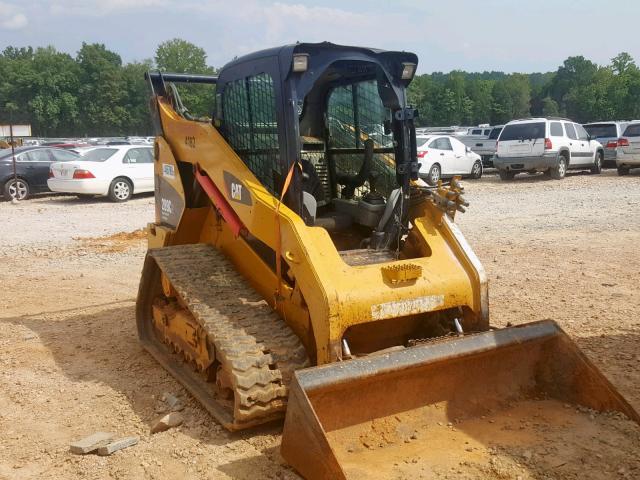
point(117, 445)
point(91, 443)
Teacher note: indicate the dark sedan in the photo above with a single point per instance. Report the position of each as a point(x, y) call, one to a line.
point(32, 167)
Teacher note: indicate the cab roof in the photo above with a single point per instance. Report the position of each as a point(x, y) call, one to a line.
point(285, 53)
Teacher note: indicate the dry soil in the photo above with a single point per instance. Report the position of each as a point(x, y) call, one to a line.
point(71, 364)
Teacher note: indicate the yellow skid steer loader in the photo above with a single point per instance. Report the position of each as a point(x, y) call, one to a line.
point(298, 265)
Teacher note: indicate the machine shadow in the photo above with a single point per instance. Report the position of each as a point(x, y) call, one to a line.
point(101, 347)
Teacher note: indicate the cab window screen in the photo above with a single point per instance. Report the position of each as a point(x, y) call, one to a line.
point(342, 124)
point(250, 125)
point(355, 113)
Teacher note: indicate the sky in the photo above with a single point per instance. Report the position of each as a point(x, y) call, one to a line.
point(510, 36)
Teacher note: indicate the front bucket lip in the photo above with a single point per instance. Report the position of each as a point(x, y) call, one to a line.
point(323, 376)
point(305, 443)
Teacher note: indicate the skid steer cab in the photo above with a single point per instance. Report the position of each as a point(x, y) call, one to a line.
point(292, 231)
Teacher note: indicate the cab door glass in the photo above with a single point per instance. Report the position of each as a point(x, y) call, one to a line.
point(355, 113)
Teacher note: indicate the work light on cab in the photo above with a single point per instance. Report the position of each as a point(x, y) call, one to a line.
point(408, 70)
point(300, 62)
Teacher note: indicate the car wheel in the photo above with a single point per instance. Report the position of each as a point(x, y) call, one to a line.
point(623, 171)
point(476, 170)
point(597, 166)
point(120, 190)
point(18, 189)
point(434, 174)
point(560, 170)
point(506, 174)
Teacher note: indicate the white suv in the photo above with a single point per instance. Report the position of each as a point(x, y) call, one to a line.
point(550, 145)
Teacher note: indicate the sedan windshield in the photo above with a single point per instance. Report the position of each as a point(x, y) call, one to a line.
point(420, 141)
point(98, 155)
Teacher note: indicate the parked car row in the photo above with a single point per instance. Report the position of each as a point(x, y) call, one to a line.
point(71, 143)
point(550, 145)
point(115, 171)
point(554, 145)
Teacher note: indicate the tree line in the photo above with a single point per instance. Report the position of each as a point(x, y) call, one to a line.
point(96, 94)
point(93, 93)
point(579, 89)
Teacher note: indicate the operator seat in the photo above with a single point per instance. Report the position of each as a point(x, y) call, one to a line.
point(311, 189)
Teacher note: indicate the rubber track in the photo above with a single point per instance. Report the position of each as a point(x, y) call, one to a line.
point(251, 342)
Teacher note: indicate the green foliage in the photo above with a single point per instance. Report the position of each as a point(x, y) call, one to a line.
point(550, 107)
point(502, 107)
point(579, 89)
point(93, 94)
point(180, 56)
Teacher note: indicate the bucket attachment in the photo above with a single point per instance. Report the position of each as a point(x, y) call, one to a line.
point(372, 417)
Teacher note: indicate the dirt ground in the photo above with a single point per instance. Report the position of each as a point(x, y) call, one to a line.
point(71, 364)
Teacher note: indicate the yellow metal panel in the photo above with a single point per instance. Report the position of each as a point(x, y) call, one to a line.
point(336, 295)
